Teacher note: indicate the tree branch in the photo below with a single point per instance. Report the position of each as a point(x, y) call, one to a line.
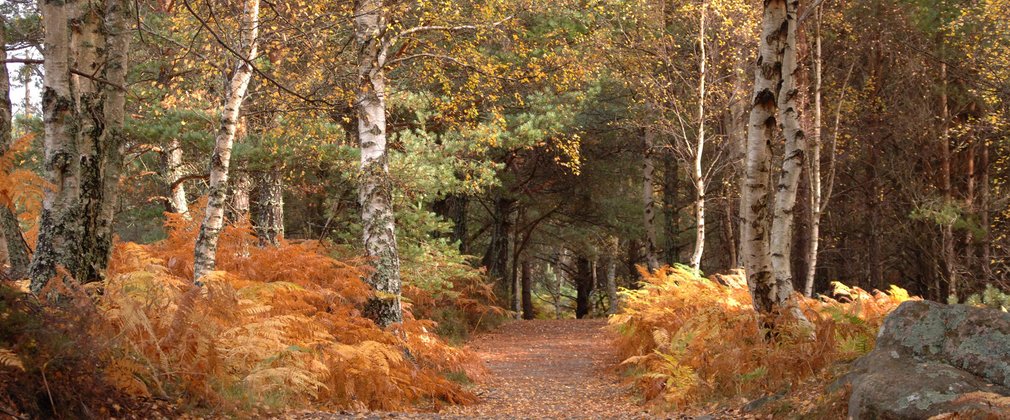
point(74, 71)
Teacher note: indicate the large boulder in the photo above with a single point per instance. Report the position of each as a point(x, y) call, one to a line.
point(933, 359)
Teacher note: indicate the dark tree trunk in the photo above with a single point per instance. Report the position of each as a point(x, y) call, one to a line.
point(527, 273)
point(496, 256)
point(267, 207)
point(584, 286)
point(240, 187)
point(10, 230)
point(453, 208)
point(671, 186)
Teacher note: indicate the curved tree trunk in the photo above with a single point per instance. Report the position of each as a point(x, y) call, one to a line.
point(205, 251)
point(374, 194)
point(698, 174)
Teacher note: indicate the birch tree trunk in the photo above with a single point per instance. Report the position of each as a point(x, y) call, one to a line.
point(14, 249)
point(792, 160)
point(171, 166)
point(698, 170)
point(60, 230)
point(117, 14)
point(649, 201)
point(814, 168)
point(766, 238)
point(374, 194)
point(268, 207)
point(205, 251)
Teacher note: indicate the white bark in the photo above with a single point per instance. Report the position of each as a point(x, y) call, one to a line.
point(792, 162)
point(205, 252)
point(375, 195)
point(814, 167)
point(171, 162)
point(698, 170)
point(59, 234)
point(767, 243)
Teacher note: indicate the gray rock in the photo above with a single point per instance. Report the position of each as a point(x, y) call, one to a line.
point(932, 359)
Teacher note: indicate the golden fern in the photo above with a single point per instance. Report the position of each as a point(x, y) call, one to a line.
point(10, 360)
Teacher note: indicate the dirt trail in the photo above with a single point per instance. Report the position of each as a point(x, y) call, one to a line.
point(549, 369)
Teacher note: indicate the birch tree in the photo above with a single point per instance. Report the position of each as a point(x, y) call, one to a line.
point(766, 230)
point(374, 194)
point(84, 95)
point(206, 243)
point(697, 173)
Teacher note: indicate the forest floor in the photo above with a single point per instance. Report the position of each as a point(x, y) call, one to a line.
point(540, 369)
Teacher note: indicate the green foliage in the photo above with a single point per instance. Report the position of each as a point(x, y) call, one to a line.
point(991, 297)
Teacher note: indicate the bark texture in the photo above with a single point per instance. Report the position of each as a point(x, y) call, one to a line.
point(83, 121)
point(205, 251)
point(171, 167)
point(375, 195)
point(14, 249)
point(268, 207)
point(59, 234)
point(766, 231)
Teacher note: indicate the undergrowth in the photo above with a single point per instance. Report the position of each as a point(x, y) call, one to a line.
point(689, 342)
point(276, 327)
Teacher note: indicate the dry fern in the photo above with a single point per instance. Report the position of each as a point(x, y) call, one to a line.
point(280, 324)
point(688, 339)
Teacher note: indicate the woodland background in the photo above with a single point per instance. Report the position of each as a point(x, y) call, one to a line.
point(533, 155)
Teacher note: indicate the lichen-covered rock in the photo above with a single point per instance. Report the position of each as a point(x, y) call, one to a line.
point(932, 359)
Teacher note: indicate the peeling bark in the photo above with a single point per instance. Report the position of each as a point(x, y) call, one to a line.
point(60, 229)
point(375, 193)
point(766, 231)
point(205, 251)
point(171, 166)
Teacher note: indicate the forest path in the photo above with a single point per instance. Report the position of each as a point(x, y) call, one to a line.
point(549, 369)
